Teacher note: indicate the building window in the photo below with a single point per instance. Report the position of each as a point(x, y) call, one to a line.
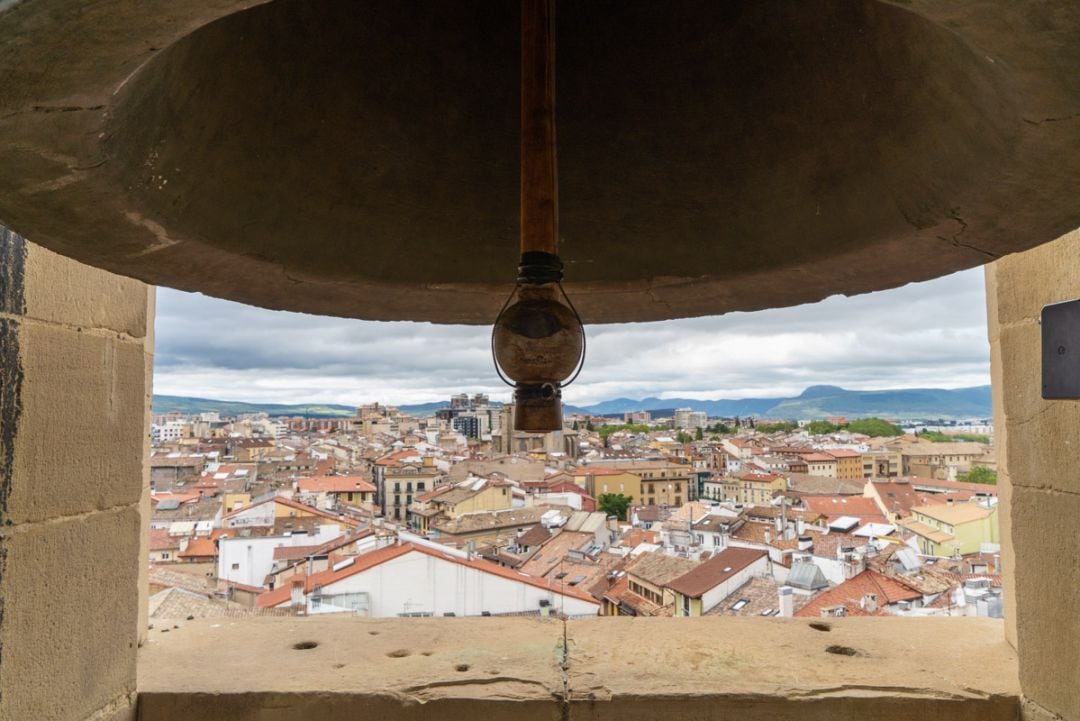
point(236, 567)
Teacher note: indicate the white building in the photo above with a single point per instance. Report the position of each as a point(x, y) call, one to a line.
point(248, 560)
point(414, 579)
point(687, 418)
point(168, 431)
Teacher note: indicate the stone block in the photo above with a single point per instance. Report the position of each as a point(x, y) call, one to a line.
point(729, 669)
point(70, 592)
point(79, 441)
point(1047, 575)
point(61, 290)
point(1027, 281)
point(1031, 711)
point(1001, 438)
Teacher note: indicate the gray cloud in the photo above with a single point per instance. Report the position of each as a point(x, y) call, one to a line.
point(929, 334)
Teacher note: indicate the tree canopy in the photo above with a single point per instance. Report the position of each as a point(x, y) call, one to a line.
point(614, 504)
point(874, 427)
point(979, 474)
point(606, 431)
point(820, 428)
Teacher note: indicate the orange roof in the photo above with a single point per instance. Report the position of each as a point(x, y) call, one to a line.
point(395, 458)
point(710, 574)
point(434, 492)
point(335, 484)
point(835, 506)
point(817, 458)
point(161, 541)
point(298, 506)
point(374, 558)
point(181, 497)
point(843, 453)
point(851, 592)
point(199, 547)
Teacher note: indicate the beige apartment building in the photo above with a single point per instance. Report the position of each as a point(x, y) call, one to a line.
point(755, 489)
point(597, 481)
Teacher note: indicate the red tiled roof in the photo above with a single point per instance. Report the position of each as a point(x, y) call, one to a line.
point(851, 592)
point(181, 497)
point(335, 484)
point(161, 541)
point(843, 453)
point(200, 548)
point(293, 553)
point(298, 506)
point(715, 571)
point(382, 555)
point(833, 507)
point(434, 492)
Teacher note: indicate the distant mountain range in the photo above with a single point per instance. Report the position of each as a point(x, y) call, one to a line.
point(188, 406)
point(814, 402)
point(822, 401)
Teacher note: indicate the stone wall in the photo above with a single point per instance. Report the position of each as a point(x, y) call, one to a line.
point(75, 377)
point(1039, 456)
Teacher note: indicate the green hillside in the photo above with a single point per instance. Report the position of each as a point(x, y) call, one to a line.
point(187, 406)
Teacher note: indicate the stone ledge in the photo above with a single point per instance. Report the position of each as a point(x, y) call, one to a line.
point(714, 668)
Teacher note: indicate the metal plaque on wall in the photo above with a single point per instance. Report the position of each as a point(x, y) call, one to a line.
point(1061, 350)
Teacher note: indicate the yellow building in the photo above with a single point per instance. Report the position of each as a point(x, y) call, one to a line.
point(755, 489)
point(881, 464)
point(235, 501)
point(598, 480)
point(491, 495)
point(451, 501)
point(954, 528)
point(849, 464)
point(662, 483)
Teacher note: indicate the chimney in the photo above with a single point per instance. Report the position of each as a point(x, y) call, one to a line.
point(787, 602)
point(768, 537)
point(869, 602)
point(296, 590)
point(806, 543)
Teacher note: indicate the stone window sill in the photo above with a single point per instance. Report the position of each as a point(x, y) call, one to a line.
point(515, 668)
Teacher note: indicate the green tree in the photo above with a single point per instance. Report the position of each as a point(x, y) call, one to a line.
point(874, 427)
point(820, 428)
point(632, 427)
point(683, 437)
point(699, 435)
point(939, 437)
point(614, 504)
point(979, 474)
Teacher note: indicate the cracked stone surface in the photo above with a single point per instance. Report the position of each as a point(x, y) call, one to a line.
point(614, 668)
point(712, 156)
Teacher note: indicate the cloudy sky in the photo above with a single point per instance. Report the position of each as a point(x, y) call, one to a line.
point(929, 334)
